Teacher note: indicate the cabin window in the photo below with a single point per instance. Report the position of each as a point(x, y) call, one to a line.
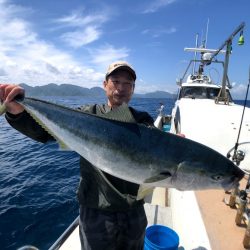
point(201, 93)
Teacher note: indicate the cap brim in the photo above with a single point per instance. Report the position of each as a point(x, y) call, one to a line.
point(125, 68)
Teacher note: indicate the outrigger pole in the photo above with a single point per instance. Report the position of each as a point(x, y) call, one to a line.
point(223, 97)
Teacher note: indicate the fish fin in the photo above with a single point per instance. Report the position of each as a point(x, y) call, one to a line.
point(159, 177)
point(2, 109)
point(121, 113)
point(143, 191)
point(109, 183)
point(62, 145)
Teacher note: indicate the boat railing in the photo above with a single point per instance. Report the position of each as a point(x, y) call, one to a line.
point(65, 235)
point(181, 80)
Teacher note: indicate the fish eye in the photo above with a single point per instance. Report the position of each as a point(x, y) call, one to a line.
point(217, 177)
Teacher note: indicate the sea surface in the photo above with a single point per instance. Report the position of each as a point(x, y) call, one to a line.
point(38, 182)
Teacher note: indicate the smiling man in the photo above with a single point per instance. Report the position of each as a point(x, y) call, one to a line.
point(110, 215)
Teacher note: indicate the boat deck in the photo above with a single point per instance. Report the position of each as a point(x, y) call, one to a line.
point(202, 219)
point(219, 220)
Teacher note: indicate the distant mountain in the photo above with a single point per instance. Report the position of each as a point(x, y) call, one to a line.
point(156, 94)
point(53, 89)
point(62, 90)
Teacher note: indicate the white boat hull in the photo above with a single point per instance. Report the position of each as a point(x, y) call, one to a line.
point(214, 125)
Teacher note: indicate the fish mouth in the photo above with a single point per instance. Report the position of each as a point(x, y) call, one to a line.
point(233, 181)
point(239, 174)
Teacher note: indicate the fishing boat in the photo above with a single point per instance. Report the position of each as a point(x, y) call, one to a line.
point(203, 112)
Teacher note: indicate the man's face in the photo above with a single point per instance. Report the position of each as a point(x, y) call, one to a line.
point(119, 88)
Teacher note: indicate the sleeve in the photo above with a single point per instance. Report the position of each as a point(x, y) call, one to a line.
point(25, 124)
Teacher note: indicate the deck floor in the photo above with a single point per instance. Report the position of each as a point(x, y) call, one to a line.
point(219, 220)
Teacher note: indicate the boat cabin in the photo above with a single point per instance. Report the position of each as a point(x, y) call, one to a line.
point(200, 86)
point(201, 92)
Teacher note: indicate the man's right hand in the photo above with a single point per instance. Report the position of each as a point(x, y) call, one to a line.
point(8, 92)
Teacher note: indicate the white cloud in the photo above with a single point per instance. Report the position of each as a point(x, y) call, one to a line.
point(155, 5)
point(159, 32)
point(239, 91)
point(79, 38)
point(107, 54)
point(25, 57)
point(77, 19)
point(87, 28)
point(53, 69)
point(2, 72)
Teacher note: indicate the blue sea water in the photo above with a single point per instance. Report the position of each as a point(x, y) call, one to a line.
point(38, 182)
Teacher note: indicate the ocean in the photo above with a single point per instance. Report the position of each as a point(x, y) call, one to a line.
point(38, 182)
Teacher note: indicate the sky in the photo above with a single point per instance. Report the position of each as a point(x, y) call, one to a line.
point(74, 41)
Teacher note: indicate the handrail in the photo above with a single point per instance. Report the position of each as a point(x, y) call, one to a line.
point(65, 235)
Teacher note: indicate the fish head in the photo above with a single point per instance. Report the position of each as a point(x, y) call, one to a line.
point(189, 176)
point(197, 176)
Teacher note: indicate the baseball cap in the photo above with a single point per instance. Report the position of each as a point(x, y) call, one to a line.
point(120, 65)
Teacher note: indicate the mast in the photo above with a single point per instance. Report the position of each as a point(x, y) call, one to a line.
point(195, 53)
point(206, 32)
point(222, 97)
point(208, 56)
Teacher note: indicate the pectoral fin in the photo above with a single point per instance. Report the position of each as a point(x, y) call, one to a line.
point(159, 177)
point(144, 191)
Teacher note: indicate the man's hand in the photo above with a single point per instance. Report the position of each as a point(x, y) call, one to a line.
point(8, 92)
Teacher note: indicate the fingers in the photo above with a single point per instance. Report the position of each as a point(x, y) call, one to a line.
point(8, 92)
point(12, 93)
point(181, 135)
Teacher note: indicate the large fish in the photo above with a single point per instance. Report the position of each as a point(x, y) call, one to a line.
point(134, 152)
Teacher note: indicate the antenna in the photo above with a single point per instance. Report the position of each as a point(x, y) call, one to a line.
point(206, 33)
point(195, 53)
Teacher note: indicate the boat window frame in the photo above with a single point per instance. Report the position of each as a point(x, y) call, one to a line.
point(201, 92)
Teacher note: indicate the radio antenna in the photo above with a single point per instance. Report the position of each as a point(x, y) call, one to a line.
point(206, 33)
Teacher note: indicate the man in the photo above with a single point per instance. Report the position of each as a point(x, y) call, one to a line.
point(110, 215)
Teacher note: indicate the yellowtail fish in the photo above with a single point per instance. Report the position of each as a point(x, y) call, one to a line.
point(135, 152)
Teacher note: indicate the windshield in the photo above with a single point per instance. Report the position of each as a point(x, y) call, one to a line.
point(201, 93)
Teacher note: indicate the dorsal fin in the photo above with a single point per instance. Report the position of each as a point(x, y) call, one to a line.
point(121, 113)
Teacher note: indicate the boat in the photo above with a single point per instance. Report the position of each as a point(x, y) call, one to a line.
point(204, 112)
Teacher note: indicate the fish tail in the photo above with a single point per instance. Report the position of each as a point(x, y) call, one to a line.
point(2, 109)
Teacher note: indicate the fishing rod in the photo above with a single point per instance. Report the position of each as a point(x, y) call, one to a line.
point(238, 155)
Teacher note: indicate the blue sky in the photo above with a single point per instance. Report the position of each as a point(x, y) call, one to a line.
point(64, 41)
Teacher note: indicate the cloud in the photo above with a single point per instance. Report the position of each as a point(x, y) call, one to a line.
point(87, 28)
point(155, 33)
point(26, 57)
point(77, 19)
point(3, 72)
point(53, 69)
point(155, 5)
point(79, 38)
point(107, 54)
point(238, 91)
